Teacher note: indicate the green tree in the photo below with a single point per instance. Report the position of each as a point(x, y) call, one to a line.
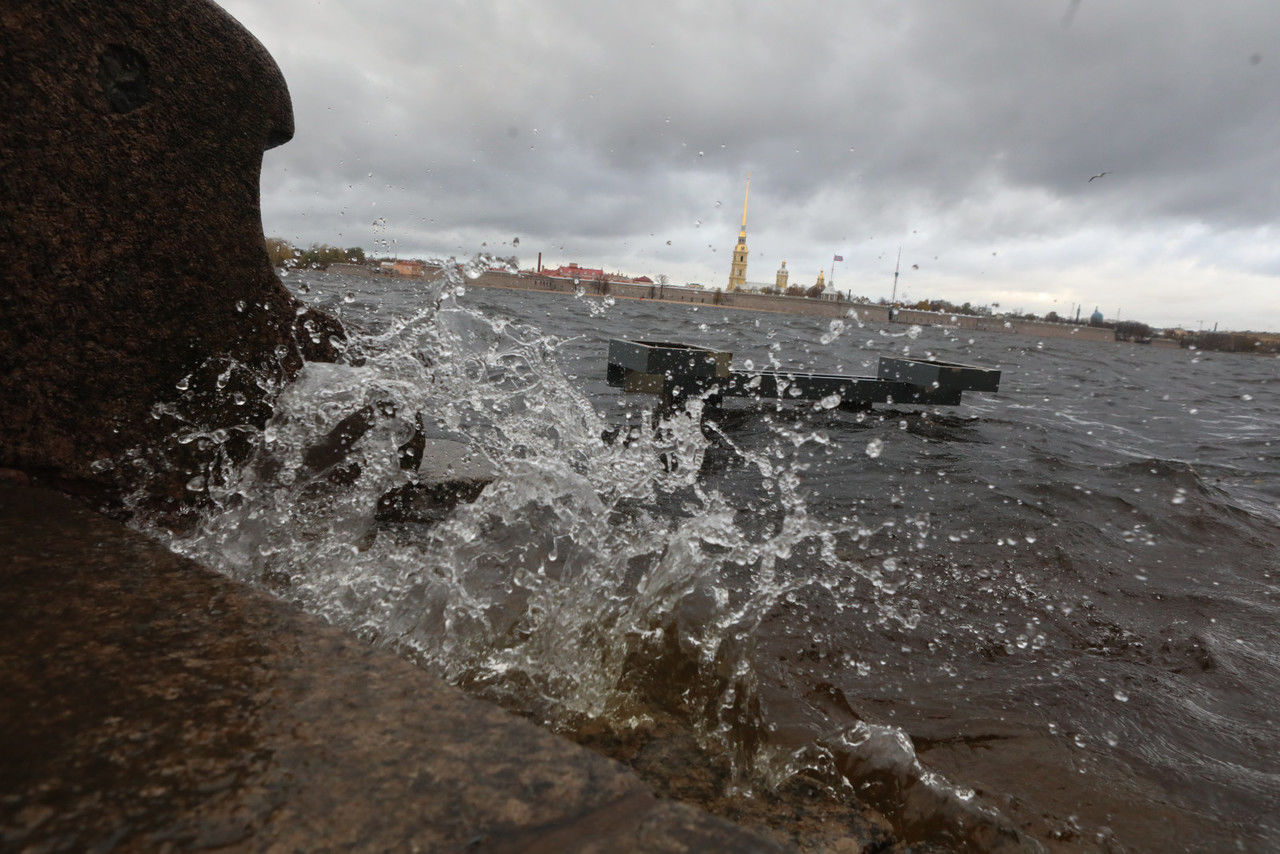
point(320, 255)
point(281, 252)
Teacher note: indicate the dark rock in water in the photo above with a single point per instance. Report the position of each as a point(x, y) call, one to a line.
point(445, 474)
point(139, 299)
point(427, 502)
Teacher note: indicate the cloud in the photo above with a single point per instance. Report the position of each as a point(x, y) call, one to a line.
point(955, 130)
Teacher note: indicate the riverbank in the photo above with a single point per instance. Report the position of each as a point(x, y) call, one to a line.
point(805, 306)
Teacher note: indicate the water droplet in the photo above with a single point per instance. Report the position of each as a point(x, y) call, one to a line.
point(831, 401)
point(1121, 695)
point(239, 305)
point(1179, 497)
point(349, 297)
point(184, 383)
point(874, 448)
point(1246, 397)
point(833, 332)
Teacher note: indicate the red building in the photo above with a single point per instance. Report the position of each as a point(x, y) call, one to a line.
point(405, 268)
point(573, 271)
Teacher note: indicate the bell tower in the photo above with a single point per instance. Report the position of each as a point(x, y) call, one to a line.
point(738, 270)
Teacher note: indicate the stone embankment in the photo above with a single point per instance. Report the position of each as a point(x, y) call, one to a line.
point(793, 305)
point(354, 270)
point(152, 704)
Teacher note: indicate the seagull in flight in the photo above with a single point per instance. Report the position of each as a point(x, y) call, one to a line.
point(1096, 177)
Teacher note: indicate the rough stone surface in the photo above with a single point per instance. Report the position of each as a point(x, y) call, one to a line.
point(131, 151)
point(150, 703)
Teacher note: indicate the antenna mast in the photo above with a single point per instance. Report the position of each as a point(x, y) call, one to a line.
point(893, 300)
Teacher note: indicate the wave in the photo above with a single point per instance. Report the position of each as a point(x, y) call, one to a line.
point(594, 577)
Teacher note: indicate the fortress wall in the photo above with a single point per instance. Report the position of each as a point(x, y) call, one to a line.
point(866, 312)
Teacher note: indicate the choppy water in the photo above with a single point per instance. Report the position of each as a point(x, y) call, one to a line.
point(1057, 605)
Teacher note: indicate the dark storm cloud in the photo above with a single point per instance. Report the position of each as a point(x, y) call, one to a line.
point(956, 129)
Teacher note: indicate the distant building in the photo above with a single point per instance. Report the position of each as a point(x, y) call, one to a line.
point(573, 271)
point(1096, 317)
point(738, 270)
point(591, 274)
point(405, 268)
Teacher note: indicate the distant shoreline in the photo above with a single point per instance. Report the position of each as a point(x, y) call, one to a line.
point(1253, 343)
point(802, 306)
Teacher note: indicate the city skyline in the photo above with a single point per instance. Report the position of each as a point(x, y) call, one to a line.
point(1121, 157)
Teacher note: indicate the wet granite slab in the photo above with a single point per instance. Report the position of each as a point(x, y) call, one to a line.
point(151, 704)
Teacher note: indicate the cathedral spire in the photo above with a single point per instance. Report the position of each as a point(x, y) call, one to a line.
point(738, 270)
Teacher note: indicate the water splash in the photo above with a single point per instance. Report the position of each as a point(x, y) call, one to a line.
point(598, 576)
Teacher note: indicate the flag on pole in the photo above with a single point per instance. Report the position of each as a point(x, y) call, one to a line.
point(839, 258)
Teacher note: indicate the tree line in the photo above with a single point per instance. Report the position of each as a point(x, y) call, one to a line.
point(317, 256)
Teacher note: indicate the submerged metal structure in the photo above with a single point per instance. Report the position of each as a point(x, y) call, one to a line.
point(676, 372)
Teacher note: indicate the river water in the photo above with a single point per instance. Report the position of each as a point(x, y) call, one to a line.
point(1055, 607)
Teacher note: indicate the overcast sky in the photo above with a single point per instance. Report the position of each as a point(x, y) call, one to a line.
point(620, 135)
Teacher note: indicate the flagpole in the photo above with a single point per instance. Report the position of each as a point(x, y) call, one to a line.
point(894, 298)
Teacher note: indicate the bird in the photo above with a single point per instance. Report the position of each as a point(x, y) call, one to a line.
point(1096, 177)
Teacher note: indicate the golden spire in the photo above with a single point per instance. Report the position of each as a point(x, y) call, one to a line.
point(738, 270)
